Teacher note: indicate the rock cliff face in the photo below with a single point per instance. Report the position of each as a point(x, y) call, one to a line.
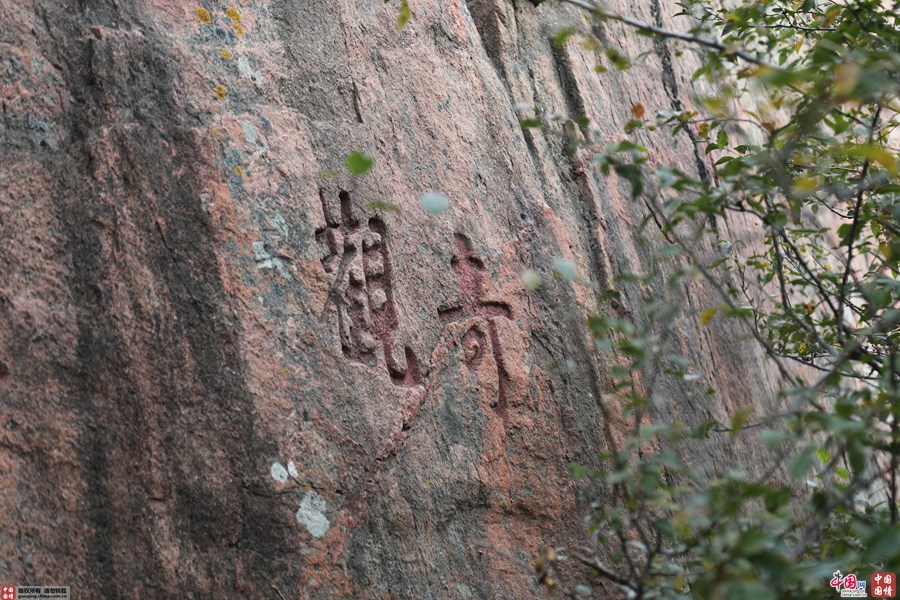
point(224, 373)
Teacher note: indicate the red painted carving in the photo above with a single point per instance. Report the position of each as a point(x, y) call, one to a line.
point(469, 270)
point(363, 289)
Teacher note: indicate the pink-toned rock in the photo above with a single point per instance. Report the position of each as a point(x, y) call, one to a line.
point(195, 298)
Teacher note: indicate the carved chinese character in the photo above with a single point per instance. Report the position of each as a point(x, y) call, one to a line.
point(469, 270)
point(363, 290)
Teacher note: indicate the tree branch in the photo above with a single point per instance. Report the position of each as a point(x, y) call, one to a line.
point(854, 228)
point(594, 562)
point(667, 33)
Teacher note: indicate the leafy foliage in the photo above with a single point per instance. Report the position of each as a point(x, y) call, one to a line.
point(359, 163)
point(799, 139)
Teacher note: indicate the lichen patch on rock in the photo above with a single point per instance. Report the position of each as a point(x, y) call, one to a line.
point(312, 514)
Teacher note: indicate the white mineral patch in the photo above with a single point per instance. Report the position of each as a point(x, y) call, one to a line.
point(247, 70)
point(249, 131)
point(434, 202)
point(565, 268)
point(292, 469)
point(265, 260)
point(279, 473)
point(260, 253)
point(312, 514)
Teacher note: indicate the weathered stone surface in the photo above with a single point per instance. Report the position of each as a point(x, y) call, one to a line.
point(222, 371)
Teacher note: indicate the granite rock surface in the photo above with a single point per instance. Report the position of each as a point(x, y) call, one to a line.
point(227, 370)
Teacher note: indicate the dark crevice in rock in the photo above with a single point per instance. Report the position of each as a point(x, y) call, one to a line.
point(589, 216)
point(568, 84)
point(535, 157)
point(599, 31)
point(356, 109)
point(670, 84)
point(579, 187)
point(486, 16)
point(586, 208)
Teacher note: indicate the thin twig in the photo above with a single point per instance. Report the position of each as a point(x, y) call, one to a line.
point(667, 33)
point(854, 228)
point(594, 562)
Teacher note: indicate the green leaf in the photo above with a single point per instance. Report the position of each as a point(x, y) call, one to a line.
point(752, 542)
point(823, 456)
point(722, 139)
point(871, 152)
point(562, 36)
point(844, 233)
point(773, 438)
point(750, 590)
point(404, 16)
point(618, 476)
point(707, 315)
point(802, 463)
point(359, 163)
point(619, 60)
point(577, 470)
point(776, 499)
point(385, 206)
point(739, 419)
point(702, 432)
point(857, 454)
point(883, 546)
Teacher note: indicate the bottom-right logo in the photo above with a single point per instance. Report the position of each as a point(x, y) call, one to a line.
point(848, 585)
point(884, 585)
